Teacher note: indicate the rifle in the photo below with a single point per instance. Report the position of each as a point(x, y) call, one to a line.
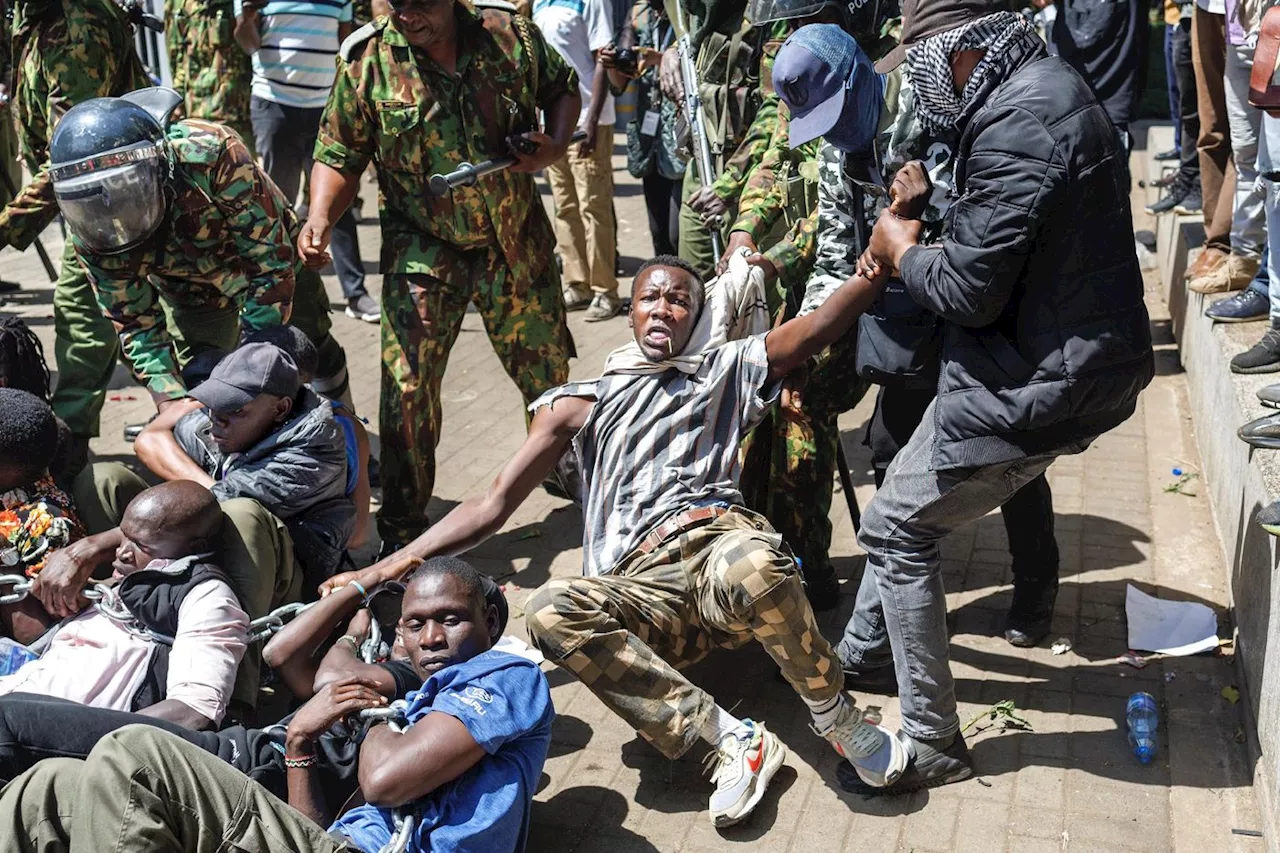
point(44, 256)
point(694, 115)
point(467, 174)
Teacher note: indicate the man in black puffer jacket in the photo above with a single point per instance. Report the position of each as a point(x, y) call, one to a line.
point(1046, 341)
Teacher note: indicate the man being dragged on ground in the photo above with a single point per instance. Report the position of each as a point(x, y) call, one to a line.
point(465, 768)
point(165, 639)
point(675, 566)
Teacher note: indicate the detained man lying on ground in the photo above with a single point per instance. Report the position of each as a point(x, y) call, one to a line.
point(165, 640)
point(465, 767)
point(271, 453)
point(306, 657)
point(675, 566)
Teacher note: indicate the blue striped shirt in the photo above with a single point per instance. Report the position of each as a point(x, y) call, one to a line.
point(295, 64)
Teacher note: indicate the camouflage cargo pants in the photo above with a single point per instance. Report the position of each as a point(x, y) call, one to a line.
point(626, 635)
point(208, 67)
point(790, 459)
point(421, 318)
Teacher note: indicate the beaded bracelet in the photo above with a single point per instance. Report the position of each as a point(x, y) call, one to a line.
point(364, 594)
point(302, 762)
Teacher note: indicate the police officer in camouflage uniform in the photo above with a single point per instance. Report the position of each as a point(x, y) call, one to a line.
point(185, 239)
point(68, 51)
point(418, 92)
point(733, 60)
point(208, 67)
point(791, 457)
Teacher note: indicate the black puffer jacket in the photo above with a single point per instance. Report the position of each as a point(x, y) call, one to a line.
point(1046, 339)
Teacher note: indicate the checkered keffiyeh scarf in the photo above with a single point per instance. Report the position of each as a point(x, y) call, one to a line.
point(1007, 39)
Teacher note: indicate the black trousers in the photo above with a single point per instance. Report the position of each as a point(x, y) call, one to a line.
point(662, 201)
point(1188, 102)
point(286, 139)
point(33, 727)
point(1028, 515)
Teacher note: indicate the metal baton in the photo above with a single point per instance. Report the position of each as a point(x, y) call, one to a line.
point(467, 174)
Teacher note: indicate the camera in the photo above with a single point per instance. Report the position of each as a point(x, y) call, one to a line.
point(627, 61)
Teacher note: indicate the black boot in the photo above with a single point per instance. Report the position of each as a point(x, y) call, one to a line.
point(1031, 614)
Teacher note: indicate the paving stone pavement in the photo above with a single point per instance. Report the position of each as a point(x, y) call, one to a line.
point(1069, 784)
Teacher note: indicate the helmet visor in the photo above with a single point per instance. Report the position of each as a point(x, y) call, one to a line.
point(114, 209)
point(762, 12)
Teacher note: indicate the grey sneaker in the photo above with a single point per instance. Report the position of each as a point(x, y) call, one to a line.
point(876, 754)
point(1269, 518)
point(933, 764)
point(364, 307)
point(603, 307)
point(741, 769)
point(1262, 357)
point(576, 299)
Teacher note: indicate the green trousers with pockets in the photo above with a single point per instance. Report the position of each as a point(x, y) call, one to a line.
point(144, 790)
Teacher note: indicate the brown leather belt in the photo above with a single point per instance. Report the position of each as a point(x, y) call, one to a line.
point(678, 522)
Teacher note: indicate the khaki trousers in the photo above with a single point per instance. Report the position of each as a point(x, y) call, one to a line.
point(582, 188)
point(1217, 168)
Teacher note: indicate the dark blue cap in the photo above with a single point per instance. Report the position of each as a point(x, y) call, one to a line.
point(830, 87)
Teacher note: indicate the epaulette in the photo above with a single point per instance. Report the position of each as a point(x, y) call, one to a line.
point(500, 5)
point(353, 41)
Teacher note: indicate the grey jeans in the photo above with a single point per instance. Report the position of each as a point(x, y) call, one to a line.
point(1248, 224)
point(910, 514)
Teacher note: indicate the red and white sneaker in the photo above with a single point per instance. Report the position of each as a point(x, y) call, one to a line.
point(741, 770)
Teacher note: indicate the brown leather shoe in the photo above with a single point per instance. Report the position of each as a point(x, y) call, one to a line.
point(1207, 261)
point(1234, 274)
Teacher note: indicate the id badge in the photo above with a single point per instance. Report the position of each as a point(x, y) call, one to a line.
point(649, 125)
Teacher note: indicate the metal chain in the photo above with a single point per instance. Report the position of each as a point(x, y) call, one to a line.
point(21, 585)
point(266, 626)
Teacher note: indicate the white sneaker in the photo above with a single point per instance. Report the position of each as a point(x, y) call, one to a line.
point(877, 754)
point(741, 770)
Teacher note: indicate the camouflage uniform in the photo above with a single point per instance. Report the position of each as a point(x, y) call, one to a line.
point(223, 259)
point(791, 459)
point(490, 244)
point(736, 76)
point(210, 70)
point(85, 50)
point(8, 128)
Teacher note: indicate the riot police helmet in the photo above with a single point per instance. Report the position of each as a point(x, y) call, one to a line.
point(109, 163)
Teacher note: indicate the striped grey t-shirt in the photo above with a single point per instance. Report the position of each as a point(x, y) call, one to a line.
point(658, 444)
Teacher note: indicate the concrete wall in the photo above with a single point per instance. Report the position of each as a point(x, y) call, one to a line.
point(1239, 481)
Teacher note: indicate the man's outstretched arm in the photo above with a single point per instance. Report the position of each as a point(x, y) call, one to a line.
point(476, 519)
point(795, 341)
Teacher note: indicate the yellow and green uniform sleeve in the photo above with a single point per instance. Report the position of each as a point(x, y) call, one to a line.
point(89, 53)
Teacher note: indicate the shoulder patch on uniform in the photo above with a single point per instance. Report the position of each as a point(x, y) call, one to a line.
point(357, 38)
point(500, 5)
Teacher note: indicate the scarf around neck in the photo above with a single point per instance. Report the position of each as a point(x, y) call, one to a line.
point(1010, 42)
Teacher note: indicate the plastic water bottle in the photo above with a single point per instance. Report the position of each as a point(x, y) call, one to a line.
point(13, 656)
point(1142, 717)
